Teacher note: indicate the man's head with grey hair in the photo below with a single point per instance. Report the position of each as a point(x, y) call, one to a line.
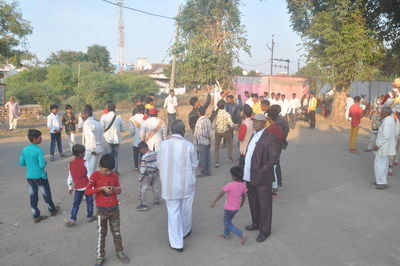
point(178, 127)
point(386, 111)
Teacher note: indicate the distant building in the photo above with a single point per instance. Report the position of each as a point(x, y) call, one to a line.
point(7, 70)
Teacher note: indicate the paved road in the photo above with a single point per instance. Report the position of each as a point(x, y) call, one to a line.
point(328, 214)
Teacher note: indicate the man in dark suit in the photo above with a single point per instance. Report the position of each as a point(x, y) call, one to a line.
point(262, 154)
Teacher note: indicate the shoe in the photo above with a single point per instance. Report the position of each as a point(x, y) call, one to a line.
point(62, 155)
point(99, 262)
point(216, 165)
point(123, 259)
point(142, 207)
point(54, 213)
point(275, 195)
point(251, 227)
point(39, 219)
point(188, 234)
point(157, 202)
point(177, 249)
point(52, 158)
point(70, 223)
point(91, 219)
point(261, 237)
point(381, 186)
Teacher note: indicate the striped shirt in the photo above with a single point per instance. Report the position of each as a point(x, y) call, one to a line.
point(148, 164)
point(203, 131)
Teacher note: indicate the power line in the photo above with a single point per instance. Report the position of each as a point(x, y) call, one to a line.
point(253, 65)
point(138, 10)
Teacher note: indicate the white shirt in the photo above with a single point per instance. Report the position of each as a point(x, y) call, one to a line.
point(54, 122)
point(386, 139)
point(135, 129)
point(80, 120)
point(217, 96)
point(250, 102)
point(177, 162)
point(294, 104)
point(349, 103)
point(285, 107)
point(148, 130)
point(70, 181)
point(92, 137)
point(113, 135)
point(249, 154)
point(273, 102)
point(171, 103)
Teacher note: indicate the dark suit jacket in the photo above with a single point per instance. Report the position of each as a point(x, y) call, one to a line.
point(266, 154)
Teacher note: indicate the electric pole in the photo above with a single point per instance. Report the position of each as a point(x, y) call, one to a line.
point(173, 67)
point(272, 53)
point(121, 37)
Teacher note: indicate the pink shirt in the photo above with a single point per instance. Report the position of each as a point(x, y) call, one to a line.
point(234, 192)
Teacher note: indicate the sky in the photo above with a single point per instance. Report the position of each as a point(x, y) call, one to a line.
point(77, 24)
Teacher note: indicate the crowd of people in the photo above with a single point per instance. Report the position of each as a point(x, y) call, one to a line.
point(385, 131)
point(167, 163)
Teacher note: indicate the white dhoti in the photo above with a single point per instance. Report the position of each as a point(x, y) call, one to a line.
point(372, 140)
point(381, 166)
point(13, 122)
point(92, 159)
point(71, 140)
point(179, 220)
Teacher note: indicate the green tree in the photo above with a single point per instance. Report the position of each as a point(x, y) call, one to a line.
point(61, 79)
point(13, 32)
point(210, 38)
point(100, 56)
point(338, 42)
point(66, 58)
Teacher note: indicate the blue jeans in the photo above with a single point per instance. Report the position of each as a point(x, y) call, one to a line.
point(55, 137)
point(205, 159)
point(229, 227)
point(171, 119)
point(77, 201)
point(43, 185)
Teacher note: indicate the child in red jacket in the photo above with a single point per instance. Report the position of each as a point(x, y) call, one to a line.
point(105, 184)
point(79, 171)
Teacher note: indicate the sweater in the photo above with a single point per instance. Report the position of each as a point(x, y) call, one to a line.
point(79, 173)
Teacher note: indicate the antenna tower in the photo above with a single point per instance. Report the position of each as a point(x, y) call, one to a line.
point(121, 37)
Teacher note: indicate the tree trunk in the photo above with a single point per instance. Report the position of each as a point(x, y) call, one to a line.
point(339, 106)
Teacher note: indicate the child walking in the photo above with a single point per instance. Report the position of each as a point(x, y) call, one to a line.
point(105, 184)
point(236, 195)
point(149, 176)
point(32, 158)
point(55, 126)
point(69, 120)
point(79, 171)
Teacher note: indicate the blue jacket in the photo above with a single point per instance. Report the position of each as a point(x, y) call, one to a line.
point(33, 158)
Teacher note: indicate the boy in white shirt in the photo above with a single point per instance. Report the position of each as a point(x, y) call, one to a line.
point(55, 126)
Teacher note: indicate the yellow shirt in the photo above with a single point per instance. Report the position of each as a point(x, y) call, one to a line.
point(312, 104)
point(148, 106)
point(257, 108)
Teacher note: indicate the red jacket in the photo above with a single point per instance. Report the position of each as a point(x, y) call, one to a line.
point(78, 172)
point(98, 180)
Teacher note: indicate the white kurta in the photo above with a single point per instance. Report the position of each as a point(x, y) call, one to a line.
point(285, 107)
point(294, 105)
point(148, 128)
point(92, 138)
point(177, 161)
point(135, 129)
point(113, 135)
point(386, 141)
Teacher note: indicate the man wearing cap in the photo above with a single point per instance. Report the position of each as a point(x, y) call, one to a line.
point(262, 154)
point(153, 130)
point(113, 125)
point(385, 146)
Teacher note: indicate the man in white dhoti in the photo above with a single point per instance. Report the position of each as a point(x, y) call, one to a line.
point(177, 162)
point(385, 146)
point(153, 130)
point(92, 136)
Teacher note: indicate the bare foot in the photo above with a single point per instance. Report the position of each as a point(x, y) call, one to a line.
point(243, 239)
point(224, 237)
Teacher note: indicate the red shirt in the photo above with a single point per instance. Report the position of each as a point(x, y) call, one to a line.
point(276, 130)
point(355, 113)
point(98, 180)
point(242, 132)
point(105, 111)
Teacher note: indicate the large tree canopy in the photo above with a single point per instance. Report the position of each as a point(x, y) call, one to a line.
point(13, 32)
point(210, 37)
point(338, 42)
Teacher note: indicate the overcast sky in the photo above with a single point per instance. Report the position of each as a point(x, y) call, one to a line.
point(77, 24)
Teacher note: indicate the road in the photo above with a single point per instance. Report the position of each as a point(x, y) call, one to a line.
point(328, 214)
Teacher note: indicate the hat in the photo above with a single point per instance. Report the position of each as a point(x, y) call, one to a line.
point(259, 117)
point(396, 83)
point(153, 111)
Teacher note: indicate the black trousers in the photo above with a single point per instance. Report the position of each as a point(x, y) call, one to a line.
point(312, 119)
point(260, 202)
point(137, 156)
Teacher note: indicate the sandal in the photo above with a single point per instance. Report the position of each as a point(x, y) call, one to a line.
point(70, 223)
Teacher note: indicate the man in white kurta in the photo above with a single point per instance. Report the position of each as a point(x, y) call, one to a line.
point(177, 162)
point(349, 103)
point(385, 146)
point(153, 131)
point(92, 136)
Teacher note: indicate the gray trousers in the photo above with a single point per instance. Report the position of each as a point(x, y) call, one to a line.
point(153, 181)
point(112, 149)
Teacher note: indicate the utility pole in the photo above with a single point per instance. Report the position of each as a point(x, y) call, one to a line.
point(121, 37)
point(173, 68)
point(272, 53)
point(298, 64)
point(79, 73)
